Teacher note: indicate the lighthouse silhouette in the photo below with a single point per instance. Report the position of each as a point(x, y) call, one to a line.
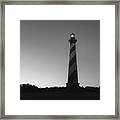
point(72, 70)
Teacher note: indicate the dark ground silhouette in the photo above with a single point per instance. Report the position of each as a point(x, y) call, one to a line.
point(31, 92)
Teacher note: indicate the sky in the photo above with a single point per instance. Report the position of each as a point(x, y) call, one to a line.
point(44, 52)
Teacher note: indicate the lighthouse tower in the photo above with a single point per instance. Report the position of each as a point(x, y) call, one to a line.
point(72, 70)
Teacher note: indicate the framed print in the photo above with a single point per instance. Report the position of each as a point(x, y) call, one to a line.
point(60, 60)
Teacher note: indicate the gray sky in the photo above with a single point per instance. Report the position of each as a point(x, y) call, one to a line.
point(44, 51)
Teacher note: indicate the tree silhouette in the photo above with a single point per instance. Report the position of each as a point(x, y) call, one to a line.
point(32, 92)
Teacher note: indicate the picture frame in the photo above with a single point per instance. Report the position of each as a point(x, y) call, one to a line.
point(70, 2)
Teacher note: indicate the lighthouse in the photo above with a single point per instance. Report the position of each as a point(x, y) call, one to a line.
point(72, 69)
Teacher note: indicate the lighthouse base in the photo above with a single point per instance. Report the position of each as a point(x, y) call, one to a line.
point(73, 85)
